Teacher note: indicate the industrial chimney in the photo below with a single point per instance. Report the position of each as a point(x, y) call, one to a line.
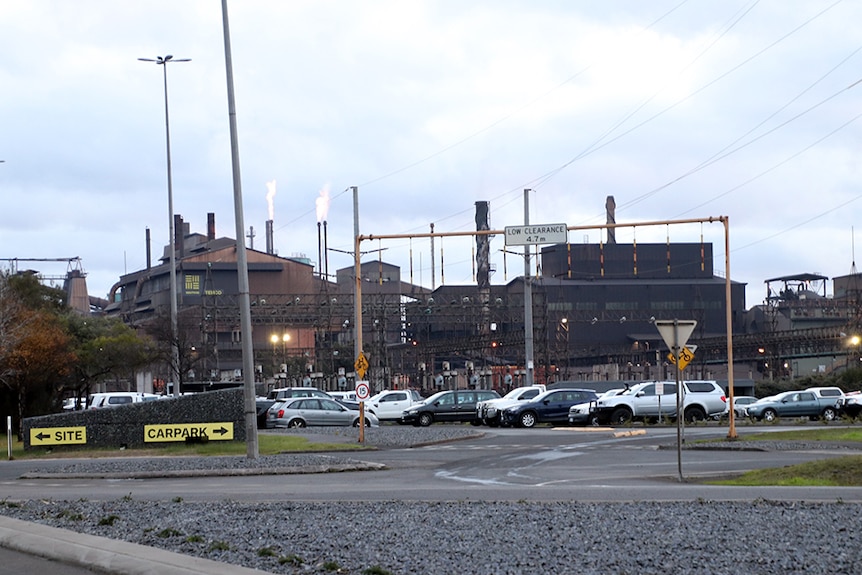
point(270, 249)
point(611, 209)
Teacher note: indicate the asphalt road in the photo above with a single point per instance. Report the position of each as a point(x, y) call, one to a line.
point(540, 464)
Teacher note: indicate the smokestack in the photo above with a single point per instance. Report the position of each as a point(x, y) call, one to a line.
point(325, 251)
point(483, 242)
point(179, 236)
point(611, 209)
point(319, 252)
point(210, 226)
point(149, 250)
point(433, 273)
point(269, 247)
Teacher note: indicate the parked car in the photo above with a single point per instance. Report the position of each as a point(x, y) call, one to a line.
point(117, 398)
point(584, 413)
point(455, 405)
point(656, 399)
point(829, 396)
point(547, 407)
point(793, 404)
point(389, 405)
point(852, 405)
point(289, 392)
point(263, 404)
point(311, 411)
point(741, 403)
point(488, 412)
point(343, 395)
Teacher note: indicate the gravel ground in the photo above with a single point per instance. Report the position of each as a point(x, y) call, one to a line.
point(399, 537)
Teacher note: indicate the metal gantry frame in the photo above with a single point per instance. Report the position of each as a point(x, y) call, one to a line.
point(359, 238)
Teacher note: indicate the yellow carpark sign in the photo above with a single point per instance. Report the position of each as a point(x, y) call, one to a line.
point(222, 431)
point(58, 435)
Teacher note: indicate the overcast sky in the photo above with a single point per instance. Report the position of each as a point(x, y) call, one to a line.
point(679, 109)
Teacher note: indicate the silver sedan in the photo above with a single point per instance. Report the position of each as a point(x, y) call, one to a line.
point(311, 411)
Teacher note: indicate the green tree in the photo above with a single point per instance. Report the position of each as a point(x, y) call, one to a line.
point(104, 347)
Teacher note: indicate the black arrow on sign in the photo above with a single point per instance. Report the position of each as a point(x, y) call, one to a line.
point(220, 431)
point(40, 436)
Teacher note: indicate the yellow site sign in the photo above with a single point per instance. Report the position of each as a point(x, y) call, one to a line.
point(58, 435)
point(158, 433)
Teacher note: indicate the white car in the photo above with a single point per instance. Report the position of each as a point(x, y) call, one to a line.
point(389, 405)
point(117, 398)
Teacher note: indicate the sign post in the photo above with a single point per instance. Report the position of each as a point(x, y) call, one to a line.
point(675, 334)
point(362, 391)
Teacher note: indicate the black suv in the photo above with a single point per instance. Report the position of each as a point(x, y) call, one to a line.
point(458, 405)
point(551, 406)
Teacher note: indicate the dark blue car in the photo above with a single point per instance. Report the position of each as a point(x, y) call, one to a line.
point(548, 407)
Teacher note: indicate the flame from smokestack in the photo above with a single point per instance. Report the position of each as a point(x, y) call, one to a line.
point(270, 194)
point(322, 204)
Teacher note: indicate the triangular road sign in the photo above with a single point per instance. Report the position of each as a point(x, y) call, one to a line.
point(675, 332)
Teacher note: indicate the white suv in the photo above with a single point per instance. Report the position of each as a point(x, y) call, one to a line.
point(655, 399)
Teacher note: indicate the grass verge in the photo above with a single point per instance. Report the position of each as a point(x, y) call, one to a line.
point(833, 472)
point(268, 444)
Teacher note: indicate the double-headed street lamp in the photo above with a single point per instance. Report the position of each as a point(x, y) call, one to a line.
point(175, 350)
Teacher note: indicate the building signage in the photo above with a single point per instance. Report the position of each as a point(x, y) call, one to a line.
point(222, 431)
point(537, 235)
point(58, 435)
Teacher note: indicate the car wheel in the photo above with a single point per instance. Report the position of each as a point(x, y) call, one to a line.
point(296, 423)
point(770, 415)
point(829, 414)
point(621, 416)
point(594, 421)
point(693, 414)
point(476, 422)
point(425, 419)
point(527, 419)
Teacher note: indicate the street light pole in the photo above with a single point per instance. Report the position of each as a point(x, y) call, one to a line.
point(175, 350)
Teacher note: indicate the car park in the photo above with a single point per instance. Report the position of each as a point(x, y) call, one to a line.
point(488, 412)
point(548, 407)
point(389, 405)
point(793, 404)
point(656, 399)
point(314, 411)
point(454, 405)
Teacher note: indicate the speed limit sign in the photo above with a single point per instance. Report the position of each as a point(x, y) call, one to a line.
point(363, 392)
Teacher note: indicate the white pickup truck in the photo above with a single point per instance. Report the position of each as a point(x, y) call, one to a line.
point(389, 405)
point(488, 412)
point(653, 400)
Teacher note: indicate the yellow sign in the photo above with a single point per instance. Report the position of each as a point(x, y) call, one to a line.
point(685, 357)
point(58, 435)
point(222, 431)
point(361, 365)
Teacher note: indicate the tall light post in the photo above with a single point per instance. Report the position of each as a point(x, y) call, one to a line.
point(175, 350)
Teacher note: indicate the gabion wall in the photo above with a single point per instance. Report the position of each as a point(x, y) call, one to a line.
point(123, 426)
